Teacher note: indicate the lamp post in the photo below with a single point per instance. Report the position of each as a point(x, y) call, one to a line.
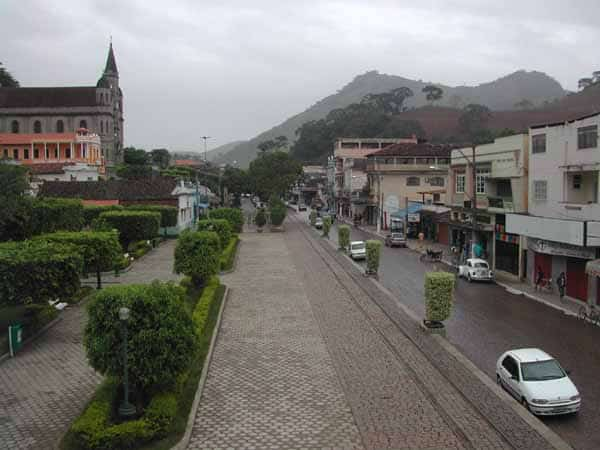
point(126, 409)
point(205, 139)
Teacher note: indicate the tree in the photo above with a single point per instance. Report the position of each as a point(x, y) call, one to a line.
point(6, 79)
point(132, 155)
point(524, 104)
point(280, 143)
point(433, 93)
point(274, 173)
point(136, 164)
point(473, 123)
point(277, 210)
point(236, 180)
point(160, 157)
point(197, 255)
point(389, 102)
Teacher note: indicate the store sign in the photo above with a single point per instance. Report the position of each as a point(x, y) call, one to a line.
point(560, 249)
point(414, 217)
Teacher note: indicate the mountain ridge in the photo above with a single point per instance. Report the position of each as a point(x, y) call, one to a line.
point(500, 94)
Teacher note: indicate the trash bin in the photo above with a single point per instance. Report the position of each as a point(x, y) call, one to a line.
point(15, 338)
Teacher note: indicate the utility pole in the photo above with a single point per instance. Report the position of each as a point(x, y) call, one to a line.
point(406, 218)
point(473, 201)
point(205, 139)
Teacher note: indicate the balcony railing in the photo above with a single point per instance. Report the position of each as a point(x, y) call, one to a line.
point(504, 203)
point(412, 166)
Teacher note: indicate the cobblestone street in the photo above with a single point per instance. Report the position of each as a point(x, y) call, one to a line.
point(45, 387)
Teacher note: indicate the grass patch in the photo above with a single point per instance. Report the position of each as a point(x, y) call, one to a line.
point(228, 256)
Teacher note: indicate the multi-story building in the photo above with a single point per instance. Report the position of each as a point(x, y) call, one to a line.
point(39, 110)
point(406, 173)
point(563, 221)
point(55, 156)
point(351, 190)
point(498, 182)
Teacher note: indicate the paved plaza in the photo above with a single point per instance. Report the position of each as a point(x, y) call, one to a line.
point(45, 387)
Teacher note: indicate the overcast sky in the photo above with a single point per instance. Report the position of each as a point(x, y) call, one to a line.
point(232, 69)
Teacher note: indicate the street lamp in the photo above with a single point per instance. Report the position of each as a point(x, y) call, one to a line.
point(126, 409)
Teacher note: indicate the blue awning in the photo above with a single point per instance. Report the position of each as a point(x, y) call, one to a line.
point(413, 208)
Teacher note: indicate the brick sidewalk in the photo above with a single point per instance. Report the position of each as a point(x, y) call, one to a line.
point(45, 387)
point(271, 383)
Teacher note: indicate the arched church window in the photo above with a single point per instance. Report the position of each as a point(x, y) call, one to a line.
point(37, 127)
point(60, 126)
point(83, 124)
point(14, 126)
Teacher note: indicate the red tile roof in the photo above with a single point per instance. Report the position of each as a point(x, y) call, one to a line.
point(420, 149)
point(28, 138)
point(189, 162)
point(48, 168)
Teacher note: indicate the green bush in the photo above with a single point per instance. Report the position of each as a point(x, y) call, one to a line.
point(92, 212)
point(261, 218)
point(56, 214)
point(326, 226)
point(344, 236)
point(197, 255)
point(228, 255)
point(15, 217)
point(277, 210)
point(219, 226)
point(37, 315)
point(100, 250)
point(373, 254)
point(439, 288)
point(234, 216)
point(132, 225)
point(38, 271)
point(161, 335)
point(168, 214)
point(313, 218)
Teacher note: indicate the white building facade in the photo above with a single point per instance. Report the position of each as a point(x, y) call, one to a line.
point(563, 221)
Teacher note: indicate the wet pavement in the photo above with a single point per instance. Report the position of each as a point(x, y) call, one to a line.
point(487, 320)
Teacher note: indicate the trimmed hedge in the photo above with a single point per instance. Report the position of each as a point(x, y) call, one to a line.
point(168, 214)
point(277, 211)
point(234, 216)
point(260, 219)
point(344, 236)
point(313, 218)
point(219, 226)
point(228, 255)
point(166, 413)
point(439, 289)
point(38, 271)
point(161, 335)
point(326, 226)
point(56, 214)
point(132, 225)
point(197, 255)
point(92, 212)
point(373, 254)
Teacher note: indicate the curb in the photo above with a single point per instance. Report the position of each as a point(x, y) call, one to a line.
point(185, 440)
point(30, 339)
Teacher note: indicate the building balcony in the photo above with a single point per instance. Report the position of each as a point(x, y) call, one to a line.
point(401, 167)
point(500, 204)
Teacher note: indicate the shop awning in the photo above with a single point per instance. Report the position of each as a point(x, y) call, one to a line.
point(413, 208)
point(593, 268)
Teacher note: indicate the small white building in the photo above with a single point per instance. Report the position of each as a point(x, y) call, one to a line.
point(563, 221)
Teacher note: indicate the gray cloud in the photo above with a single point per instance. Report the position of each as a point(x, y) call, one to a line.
point(231, 69)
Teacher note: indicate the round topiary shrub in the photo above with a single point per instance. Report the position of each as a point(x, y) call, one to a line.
point(260, 219)
point(373, 254)
point(326, 226)
point(197, 255)
point(344, 236)
point(233, 215)
point(439, 290)
point(161, 337)
point(277, 211)
point(219, 226)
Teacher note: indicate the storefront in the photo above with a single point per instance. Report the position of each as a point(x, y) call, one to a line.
point(555, 257)
point(460, 228)
point(434, 223)
point(507, 250)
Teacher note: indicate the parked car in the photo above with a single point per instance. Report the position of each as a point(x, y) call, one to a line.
point(358, 250)
point(301, 207)
point(476, 269)
point(319, 223)
point(395, 240)
point(538, 381)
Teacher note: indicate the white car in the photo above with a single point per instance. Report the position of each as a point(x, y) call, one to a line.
point(358, 250)
point(476, 269)
point(538, 381)
point(319, 223)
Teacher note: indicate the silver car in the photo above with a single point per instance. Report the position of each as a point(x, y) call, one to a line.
point(358, 250)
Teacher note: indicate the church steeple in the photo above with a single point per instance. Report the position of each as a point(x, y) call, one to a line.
point(111, 64)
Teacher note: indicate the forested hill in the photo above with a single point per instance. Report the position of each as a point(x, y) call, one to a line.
point(536, 88)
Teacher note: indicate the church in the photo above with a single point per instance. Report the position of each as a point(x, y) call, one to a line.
point(43, 110)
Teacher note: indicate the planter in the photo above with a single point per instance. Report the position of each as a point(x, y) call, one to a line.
point(433, 327)
point(371, 274)
point(259, 230)
point(277, 228)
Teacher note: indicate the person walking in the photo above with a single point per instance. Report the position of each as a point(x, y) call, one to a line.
point(561, 282)
point(539, 278)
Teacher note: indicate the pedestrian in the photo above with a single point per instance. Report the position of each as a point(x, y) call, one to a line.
point(561, 281)
point(539, 278)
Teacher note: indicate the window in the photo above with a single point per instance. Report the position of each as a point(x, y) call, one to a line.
point(503, 188)
point(6, 153)
point(25, 153)
point(15, 153)
point(37, 127)
point(83, 124)
point(540, 190)
point(36, 153)
point(538, 143)
point(511, 367)
point(413, 181)
point(437, 181)
point(60, 126)
point(436, 198)
point(587, 137)
point(14, 126)
point(102, 127)
point(481, 177)
point(577, 181)
point(56, 152)
point(67, 153)
point(460, 183)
